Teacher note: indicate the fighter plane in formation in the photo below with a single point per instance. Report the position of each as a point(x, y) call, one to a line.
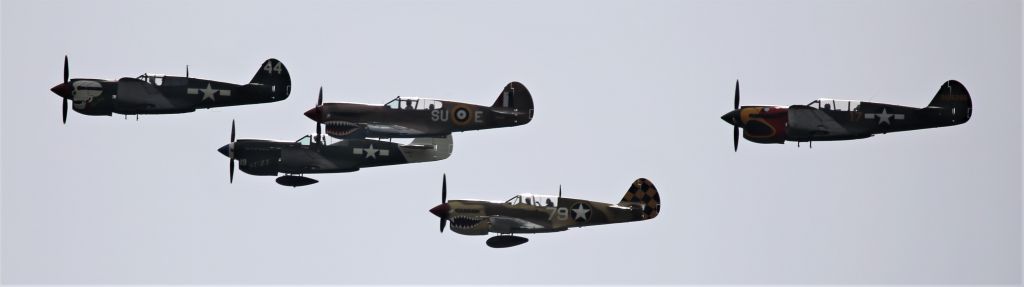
point(532, 213)
point(832, 120)
point(311, 154)
point(405, 117)
point(160, 94)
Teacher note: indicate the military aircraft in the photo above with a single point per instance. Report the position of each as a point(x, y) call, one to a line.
point(532, 213)
point(832, 120)
point(160, 94)
point(405, 117)
point(311, 154)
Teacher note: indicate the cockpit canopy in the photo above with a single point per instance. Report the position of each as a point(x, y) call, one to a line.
point(309, 139)
point(400, 103)
point(533, 199)
point(835, 105)
point(162, 80)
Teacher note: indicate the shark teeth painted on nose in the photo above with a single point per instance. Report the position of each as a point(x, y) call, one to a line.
point(463, 222)
point(340, 128)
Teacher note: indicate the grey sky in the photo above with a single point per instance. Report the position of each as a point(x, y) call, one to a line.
point(623, 89)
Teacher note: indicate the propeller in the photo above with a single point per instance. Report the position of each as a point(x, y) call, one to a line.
point(231, 154)
point(64, 112)
point(735, 124)
point(319, 102)
point(444, 198)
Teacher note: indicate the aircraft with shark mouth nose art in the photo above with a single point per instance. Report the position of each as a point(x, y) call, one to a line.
point(311, 154)
point(405, 117)
point(161, 94)
point(532, 213)
point(833, 120)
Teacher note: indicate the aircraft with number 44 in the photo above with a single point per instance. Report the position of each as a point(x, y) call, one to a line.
point(833, 120)
point(532, 213)
point(160, 94)
point(405, 117)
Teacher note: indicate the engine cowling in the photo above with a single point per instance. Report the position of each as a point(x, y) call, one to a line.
point(91, 98)
point(764, 124)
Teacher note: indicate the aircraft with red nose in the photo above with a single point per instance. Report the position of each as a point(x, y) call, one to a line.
point(833, 120)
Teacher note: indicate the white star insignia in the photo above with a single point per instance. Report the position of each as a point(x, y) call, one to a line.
point(370, 152)
point(581, 212)
point(884, 117)
point(208, 92)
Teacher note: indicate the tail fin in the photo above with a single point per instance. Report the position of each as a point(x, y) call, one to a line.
point(642, 193)
point(953, 96)
point(515, 96)
point(273, 73)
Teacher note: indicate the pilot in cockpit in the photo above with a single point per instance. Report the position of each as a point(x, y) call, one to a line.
point(548, 203)
point(528, 201)
point(828, 107)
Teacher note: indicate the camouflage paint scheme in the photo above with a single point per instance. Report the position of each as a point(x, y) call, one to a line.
point(160, 94)
point(531, 213)
point(830, 120)
point(405, 117)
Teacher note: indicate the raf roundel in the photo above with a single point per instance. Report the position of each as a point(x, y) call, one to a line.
point(461, 114)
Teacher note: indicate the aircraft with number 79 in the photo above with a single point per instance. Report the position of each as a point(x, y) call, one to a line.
point(533, 213)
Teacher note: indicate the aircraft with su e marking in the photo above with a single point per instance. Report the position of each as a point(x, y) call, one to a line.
point(405, 117)
point(833, 120)
point(532, 213)
point(161, 94)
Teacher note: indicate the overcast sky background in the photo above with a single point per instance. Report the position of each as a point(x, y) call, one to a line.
point(623, 89)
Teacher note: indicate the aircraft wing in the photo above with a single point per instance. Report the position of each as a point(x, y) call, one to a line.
point(813, 121)
point(507, 224)
point(138, 94)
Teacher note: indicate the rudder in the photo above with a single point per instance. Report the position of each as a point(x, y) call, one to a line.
point(515, 96)
point(273, 73)
point(953, 96)
point(642, 193)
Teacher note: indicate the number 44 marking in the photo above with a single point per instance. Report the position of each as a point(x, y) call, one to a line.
point(274, 68)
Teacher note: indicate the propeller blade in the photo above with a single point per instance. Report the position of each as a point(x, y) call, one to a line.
point(320, 101)
point(65, 113)
point(735, 101)
point(444, 188)
point(735, 138)
point(231, 152)
point(443, 222)
point(66, 72)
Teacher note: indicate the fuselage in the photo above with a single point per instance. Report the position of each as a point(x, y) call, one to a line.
point(837, 120)
point(422, 118)
point(151, 94)
point(308, 156)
